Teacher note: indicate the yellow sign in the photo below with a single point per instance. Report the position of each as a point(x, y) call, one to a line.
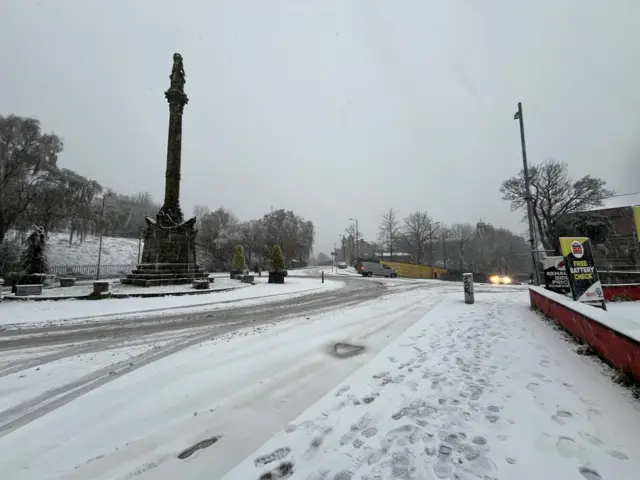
point(636, 215)
point(572, 245)
point(409, 270)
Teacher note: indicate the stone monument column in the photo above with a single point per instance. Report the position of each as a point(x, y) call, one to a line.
point(169, 254)
point(177, 99)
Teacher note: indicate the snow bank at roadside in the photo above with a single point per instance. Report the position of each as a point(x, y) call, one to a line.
point(470, 391)
point(37, 313)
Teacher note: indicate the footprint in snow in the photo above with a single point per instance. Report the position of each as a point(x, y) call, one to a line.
point(617, 454)
point(277, 454)
point(566, 447)
point(562, 416)
point(591, 438)
point(284, 470)
point(589, 474)
point(315, 444)
point(360, 426)
point(342, 390)
point(292, 427)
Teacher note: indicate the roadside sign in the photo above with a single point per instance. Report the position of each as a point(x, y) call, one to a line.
point(581, 270)
point(555, 275)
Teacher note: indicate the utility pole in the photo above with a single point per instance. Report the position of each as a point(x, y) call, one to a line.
point(520, 117)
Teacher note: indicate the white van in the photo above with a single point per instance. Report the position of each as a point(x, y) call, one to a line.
point(369, 269)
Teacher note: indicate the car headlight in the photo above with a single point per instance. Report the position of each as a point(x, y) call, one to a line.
point(506, 280)
point(494, 279)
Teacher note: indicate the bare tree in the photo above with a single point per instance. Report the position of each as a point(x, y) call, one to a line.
point(554, 194)
point(389, 230)
point(461, 234)
point(416, 233)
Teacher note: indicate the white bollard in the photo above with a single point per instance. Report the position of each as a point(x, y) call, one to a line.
point(467, 279)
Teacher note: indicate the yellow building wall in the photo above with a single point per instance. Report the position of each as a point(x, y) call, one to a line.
point(410, 270)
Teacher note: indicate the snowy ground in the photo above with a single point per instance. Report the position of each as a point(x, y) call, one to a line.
point(482, 391)
point(14, 314)
point(441, 390)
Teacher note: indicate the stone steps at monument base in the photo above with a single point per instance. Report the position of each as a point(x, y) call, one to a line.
point(173, 274)
point(168, 267)
point(160, 282)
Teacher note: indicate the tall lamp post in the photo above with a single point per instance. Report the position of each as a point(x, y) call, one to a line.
point(520, 117)
point(431, 225)
point(104, 197)
point(357, 238)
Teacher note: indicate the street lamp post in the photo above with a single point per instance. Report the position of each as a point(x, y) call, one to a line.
point(104, 197)
point(520, 117)
point(357, 238)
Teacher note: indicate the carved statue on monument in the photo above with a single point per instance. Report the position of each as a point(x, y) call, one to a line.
point(177, 73)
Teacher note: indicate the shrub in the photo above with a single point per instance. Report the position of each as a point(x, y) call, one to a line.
point(237, 262)
point(33, 259)
point(277, 259)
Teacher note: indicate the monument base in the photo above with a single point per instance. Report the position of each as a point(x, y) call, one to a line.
point(162, 274)
point(168, 257)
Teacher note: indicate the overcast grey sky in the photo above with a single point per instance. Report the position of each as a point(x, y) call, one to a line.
point(332, 108)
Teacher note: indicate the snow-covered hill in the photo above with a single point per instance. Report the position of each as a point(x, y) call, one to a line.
point(115, 250)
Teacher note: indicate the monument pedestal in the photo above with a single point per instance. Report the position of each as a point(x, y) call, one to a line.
point(168, 257)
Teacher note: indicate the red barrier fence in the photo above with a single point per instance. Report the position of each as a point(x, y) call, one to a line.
point(594, 327)
point(622, 293)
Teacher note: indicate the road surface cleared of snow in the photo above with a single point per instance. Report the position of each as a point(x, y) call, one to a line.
point(21, 314)
point(488, 391)
point(244, 386)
